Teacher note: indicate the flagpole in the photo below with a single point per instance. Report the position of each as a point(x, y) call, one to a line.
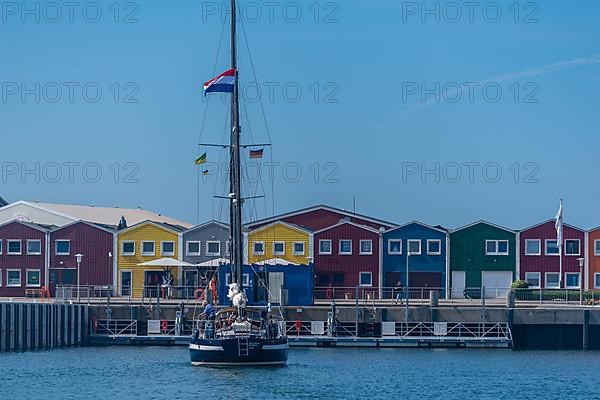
point(560, 240)
point(560, 256)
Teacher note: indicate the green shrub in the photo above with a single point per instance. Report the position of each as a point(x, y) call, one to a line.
point(520, 285)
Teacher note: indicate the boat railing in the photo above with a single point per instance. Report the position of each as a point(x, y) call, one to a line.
point(224, 326)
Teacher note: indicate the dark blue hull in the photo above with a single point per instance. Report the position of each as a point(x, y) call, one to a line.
point(239, 351)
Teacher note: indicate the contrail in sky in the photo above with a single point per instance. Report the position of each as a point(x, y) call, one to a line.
point(558, 66)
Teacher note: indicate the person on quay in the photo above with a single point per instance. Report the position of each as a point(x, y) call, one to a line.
point(399, 292)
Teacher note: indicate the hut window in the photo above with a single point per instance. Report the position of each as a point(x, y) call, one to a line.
point(434, 247)
point(572, 248)
point(128, 248)
point(259, 248)
point(148, 248)
point(324, 279)
point(533, 247)
point(33, 277)
point(551, 248)
point(213, 248)
point(572, 280)
point(533, 279)
point(245, 280)
point(414, 247)
point(496, 247)
point(125, 283)
point(298, 248)
point(597, 281)
point(278, 248)
point(366, 247)
point(395, 246)
point(193, 248)
point(366, 279)
point(13, 278)
point(324, 246)
point(345, 247)
point(63, 247)
point(596, 248)
point(34, 247)
point(552, 280)
point(167, 248)
point(338, 280)
point(14, 247)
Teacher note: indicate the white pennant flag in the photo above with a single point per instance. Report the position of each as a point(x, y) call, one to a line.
point(559, 225)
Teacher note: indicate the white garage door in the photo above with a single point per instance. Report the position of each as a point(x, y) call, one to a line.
point(496, 283)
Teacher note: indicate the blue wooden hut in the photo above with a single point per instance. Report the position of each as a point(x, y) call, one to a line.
point(267, 283)
point(427, 252)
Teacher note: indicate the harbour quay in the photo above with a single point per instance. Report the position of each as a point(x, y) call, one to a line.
point(378, 325)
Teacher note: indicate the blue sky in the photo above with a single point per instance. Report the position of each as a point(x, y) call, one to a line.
point(359, 117)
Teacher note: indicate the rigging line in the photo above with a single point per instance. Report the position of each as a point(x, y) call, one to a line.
point(253, 190)
point(255, 79)
point(219, 174)
point(220, 45)
point(213, 73)
point(264, 117)
point(263, 112)
point(203, 125)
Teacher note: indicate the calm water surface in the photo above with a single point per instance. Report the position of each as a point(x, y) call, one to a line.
point(165, 373)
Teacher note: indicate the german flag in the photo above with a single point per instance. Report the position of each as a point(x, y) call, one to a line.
point(257, 153)
point(201, 160)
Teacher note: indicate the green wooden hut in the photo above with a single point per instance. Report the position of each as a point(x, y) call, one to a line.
point(482, 254)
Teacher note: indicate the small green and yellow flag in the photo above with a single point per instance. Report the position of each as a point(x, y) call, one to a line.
point(201, 160)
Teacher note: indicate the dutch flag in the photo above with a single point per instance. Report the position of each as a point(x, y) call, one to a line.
point(223, 83)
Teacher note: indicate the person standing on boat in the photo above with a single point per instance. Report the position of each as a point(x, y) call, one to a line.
point(209, 310)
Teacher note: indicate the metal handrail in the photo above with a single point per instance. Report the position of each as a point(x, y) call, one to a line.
point(116, 327)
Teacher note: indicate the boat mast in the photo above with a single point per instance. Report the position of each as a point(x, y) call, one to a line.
point(236, 200)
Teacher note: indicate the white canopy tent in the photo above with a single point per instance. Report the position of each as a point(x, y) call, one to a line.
point(275, 261)
point(213, 263)
point(166, 263)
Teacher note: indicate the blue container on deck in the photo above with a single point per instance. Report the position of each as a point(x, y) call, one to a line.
point(262, 283)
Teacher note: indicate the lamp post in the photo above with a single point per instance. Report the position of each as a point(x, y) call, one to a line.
point(78, 258)
point(406, 286)
point(581, 263)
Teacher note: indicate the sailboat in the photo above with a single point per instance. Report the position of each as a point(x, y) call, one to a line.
point(238, 335)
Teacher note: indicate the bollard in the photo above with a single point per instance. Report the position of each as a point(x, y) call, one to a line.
point(510, 299)
point(434, 298)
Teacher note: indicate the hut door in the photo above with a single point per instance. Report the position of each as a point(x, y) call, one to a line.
point(458, 284)
point(275, 286)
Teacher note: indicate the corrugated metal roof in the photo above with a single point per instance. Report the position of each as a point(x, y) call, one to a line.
point(109, 215)
point(322, 207)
